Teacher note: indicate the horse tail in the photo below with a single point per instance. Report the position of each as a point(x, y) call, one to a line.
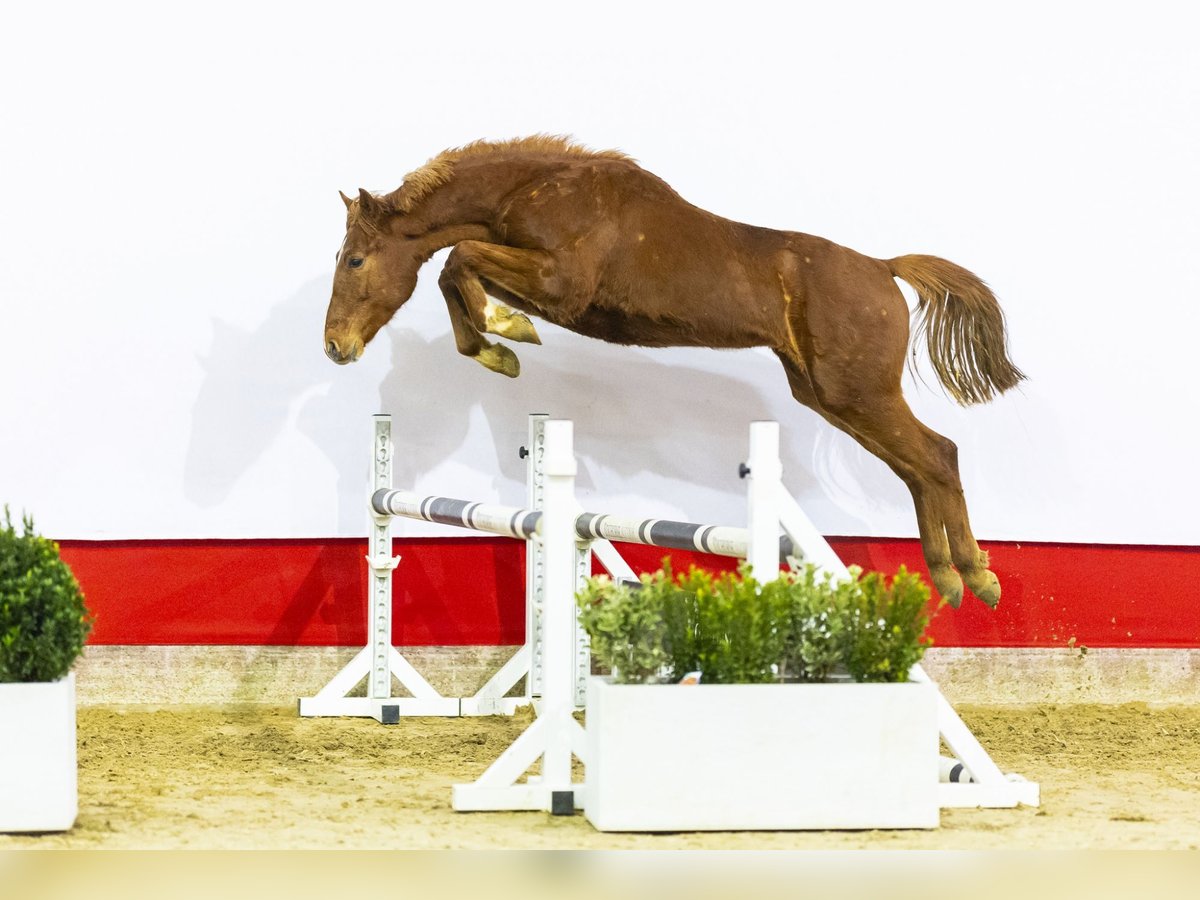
point(963, 327)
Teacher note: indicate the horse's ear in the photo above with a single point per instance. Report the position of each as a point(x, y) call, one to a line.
point(369, 204)
point(345, 199)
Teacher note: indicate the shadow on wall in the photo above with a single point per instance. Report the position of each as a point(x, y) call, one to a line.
point(632, 413)
point(252, 379)
point(636, 412)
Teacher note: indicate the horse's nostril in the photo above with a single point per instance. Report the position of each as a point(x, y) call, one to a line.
point(331, 349)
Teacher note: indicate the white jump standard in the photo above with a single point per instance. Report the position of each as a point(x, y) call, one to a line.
point(555, 735)
point(594, 531)
point(554, 660)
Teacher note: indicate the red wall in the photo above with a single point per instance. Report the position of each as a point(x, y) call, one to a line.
point(471, 591)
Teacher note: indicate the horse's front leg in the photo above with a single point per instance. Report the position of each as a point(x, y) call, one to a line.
point(516, 273)
point(467, 338)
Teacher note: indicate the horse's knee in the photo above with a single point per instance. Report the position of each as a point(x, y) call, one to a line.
point(947, 451)
point(944, 464)
point(457, 266)
point(459, 261)
point(446, 279)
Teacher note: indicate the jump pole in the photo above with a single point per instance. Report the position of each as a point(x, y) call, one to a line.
point(380, 664)
point(770, 506)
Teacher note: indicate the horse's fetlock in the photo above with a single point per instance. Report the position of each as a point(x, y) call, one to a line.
point(510, 324)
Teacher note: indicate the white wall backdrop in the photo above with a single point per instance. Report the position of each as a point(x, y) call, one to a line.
point(169, 215)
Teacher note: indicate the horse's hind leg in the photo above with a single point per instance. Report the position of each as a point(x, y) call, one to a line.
point(937, 492)
point(931, 461)
point(851, 335)
point(934, 545)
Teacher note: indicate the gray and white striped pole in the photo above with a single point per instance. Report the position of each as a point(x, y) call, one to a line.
point(509, 521)
point(720, 540)
point(513, 521)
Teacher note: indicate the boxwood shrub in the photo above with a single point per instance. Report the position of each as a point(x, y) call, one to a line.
point(801, 627)
point(43, 619)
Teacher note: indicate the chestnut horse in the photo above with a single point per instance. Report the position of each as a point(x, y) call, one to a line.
point(595, 243)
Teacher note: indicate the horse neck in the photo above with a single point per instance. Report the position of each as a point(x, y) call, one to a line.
point(473, 196)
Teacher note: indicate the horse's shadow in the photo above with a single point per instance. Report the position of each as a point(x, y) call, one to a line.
point(633, 414)
point(646, 421)
point(252, 382)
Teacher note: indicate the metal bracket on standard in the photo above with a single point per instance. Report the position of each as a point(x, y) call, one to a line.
point(383, 565)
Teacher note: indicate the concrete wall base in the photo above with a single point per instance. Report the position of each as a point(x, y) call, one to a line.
point(206, 675)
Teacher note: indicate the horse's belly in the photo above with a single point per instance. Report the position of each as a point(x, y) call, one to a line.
point(620, 328)
point(662, 330)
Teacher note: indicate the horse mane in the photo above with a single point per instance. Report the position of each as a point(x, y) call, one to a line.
point(421, 182)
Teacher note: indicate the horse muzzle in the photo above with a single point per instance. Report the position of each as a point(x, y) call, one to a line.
point(341, 355)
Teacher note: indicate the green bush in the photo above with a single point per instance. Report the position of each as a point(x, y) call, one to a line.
point(886, 623)
point(817, 634)
point(726, 627)
point(43, 620)
point(800, 627)
point(626, 628)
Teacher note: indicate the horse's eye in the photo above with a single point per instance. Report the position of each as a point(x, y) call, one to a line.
point(354, 262)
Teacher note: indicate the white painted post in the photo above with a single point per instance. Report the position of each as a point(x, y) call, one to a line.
point(766, 473)
point(535, 587)
point(582, 644)
point(558, 613)
point(379, 661)
point(382, 563)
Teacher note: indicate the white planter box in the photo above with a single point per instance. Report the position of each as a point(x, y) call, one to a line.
point(38, 771)
point(761, 757)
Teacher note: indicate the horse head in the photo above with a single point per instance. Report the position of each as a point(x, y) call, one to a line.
point(376, 273)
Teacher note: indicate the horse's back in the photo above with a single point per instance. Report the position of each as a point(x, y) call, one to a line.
point(643, 265)
point(568, 201)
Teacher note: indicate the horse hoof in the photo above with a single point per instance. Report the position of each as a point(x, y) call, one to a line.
point(500, 359)
point(985, 585)
point(510, 324)
point(948, 584)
